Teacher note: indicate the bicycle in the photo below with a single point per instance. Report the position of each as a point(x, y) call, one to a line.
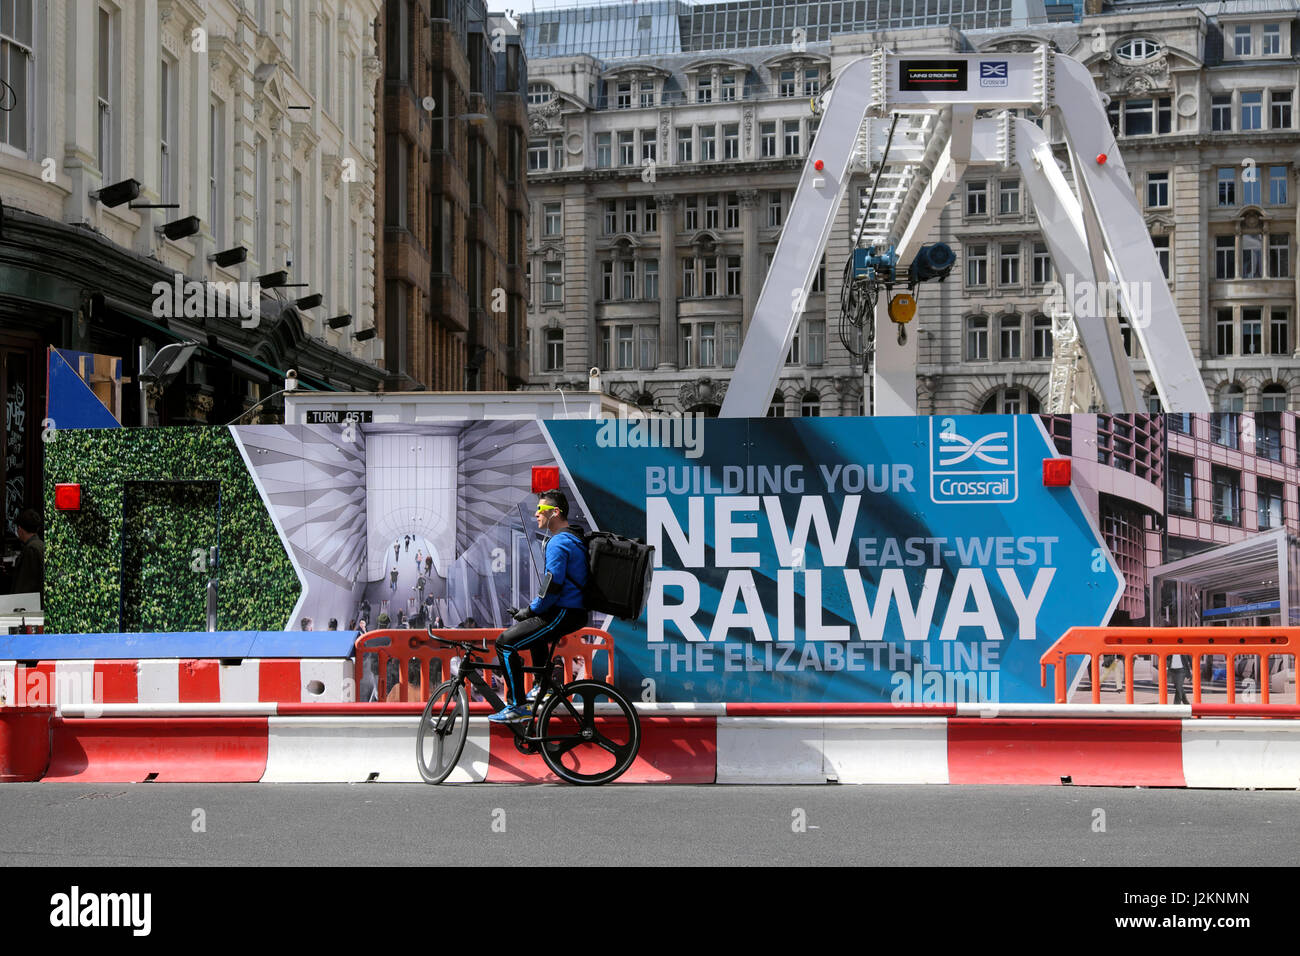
point(575, 746)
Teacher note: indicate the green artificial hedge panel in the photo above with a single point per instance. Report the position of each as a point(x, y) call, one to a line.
point(84, 586)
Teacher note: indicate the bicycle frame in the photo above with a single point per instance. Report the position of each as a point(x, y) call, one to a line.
point(470, 670)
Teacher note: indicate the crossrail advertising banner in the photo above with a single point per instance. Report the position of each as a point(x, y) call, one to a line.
point(905, 560)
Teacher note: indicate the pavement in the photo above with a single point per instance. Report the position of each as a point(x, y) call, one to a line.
point(332, 825)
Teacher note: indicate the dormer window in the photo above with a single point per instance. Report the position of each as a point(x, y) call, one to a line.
point(704, 89)
point(728, 89)
point(647, 92)
point(787, 84)
point(540, 93)
point(1137, 49)
point(1272, 45)
point(812, 82)
point(623, 95)
point(1241, 40)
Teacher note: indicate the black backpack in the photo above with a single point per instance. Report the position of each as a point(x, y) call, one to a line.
point(618, 574)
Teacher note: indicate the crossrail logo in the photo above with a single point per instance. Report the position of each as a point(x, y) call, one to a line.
point(993, 73)
point(976, 468)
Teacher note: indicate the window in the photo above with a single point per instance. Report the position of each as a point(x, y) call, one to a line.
point(1270, 494)
point(262, 200)
point(1221, 112)
point(730, 343)
point(977, 198)
point(777, 408)
point(1252, 331)
point(1227, 495)
point(647, 346)
point(810, 406)
point(1223, 429)
point(1009, 337)
point(731, 141)
point(1042, 264)
point(1223, 331)
point(651, 220)
point(733, 275)
point(1252, 255)
point(1272, 40)
point(1272, 398)
point(775, 210)
point(622, 96)
point(711, 210)
point(1042, 337)
point(553, 289)
point(1241, 40)
point(791, 130)
point(786, 87)
point(611, 216)
point(977, 265)
point(1010, 401)
point(708, 143)
point(167, 131)
point(1158, 190)
point(1142, 117)
point(649, 146)
point(1277, 185)
point(554, 349)
point(1161, 245)
point(688, 278)
point(767, 139)
point(1136, 49)
point(549, 32)
point(539, 93)
point(732, 220)
point(327, 238)
point(1279, 337)
point(551, 219)
point(647, 93)
point(685, 144)
point(106, 69)
point(1009, 197)
point(1009, 263)
point(1279, 109)
point(691, 213)
point(630, 217)
point(704, 89)
point(1126, 333)
point(792, 356)
point(299, 232)
point(1279, 259)
point(1227, 186)
point(216, 173)
point(977, 338)
point(1268, 424)
point(710, 275)
point(604, 151)
point(707, 344)
point(819, 279)
point(327, 57)
point(651, 278)
point(539, 155)
point(685, 347)
point(626, 346)
point(1181, 484)
point(1225, 257)
point(728, 89)
point(626, 148)
point(606, 280)
point(16, 43)
point(1252, 110)
point(816, 341)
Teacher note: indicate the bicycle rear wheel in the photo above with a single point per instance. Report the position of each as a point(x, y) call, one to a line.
point(444, 727)
point(590, 733)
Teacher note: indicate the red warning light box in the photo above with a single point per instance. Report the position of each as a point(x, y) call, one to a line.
point(1056, 472)
point(67, 497)
point(545, 478)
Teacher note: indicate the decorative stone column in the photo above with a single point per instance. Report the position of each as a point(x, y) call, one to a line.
point(751, 279)
point(666, 204)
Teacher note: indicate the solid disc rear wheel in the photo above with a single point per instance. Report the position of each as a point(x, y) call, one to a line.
point(444, 727)
point(590, 733)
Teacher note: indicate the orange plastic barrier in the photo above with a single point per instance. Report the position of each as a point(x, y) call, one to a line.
point(1161, 642)
point(404, 646)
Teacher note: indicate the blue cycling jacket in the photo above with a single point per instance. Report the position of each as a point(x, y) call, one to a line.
point(566, 561)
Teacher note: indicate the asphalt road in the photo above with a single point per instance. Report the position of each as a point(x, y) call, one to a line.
point(331, 825)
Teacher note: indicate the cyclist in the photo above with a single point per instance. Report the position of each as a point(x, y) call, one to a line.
point(558, 610)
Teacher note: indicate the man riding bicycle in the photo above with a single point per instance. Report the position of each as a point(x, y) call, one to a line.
point(556, 611)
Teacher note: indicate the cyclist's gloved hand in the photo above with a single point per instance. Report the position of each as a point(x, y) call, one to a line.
point(519, 614)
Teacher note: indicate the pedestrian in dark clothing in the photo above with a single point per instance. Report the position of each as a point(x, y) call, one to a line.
point(29, 573)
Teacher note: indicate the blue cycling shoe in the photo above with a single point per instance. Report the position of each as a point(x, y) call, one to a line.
point(511, 714)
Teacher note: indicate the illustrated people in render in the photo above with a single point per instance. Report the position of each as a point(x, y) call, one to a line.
point(408, 542)
point(29, 573)
point(392, 577)
point(397, 551)
point(1179, 665)
point(428, 566)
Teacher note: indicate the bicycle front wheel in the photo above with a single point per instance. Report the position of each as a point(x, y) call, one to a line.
point(590, 733)
point(444, 727)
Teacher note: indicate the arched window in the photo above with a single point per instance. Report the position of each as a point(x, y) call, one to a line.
point(777, 408)
point(1273, 398)
point(810, 406)
point(1137, 49)
point(1012, 400)
point(1232, 398)
point(1154, 405)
